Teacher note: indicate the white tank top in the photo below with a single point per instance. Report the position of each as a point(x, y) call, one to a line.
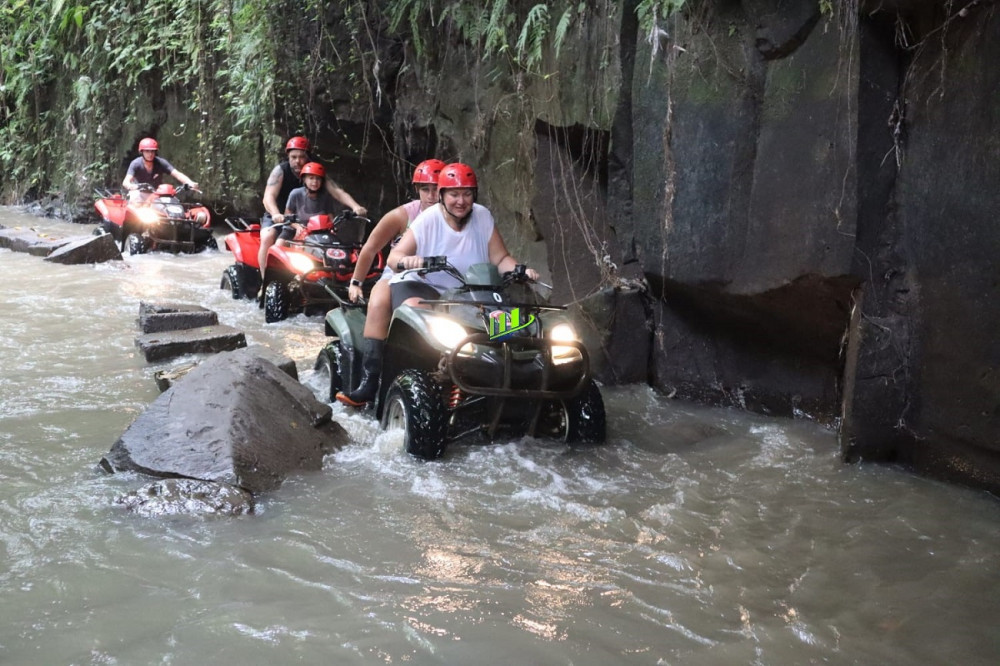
point(463, 248)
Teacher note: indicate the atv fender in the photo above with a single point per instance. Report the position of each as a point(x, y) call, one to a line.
point(348, 324)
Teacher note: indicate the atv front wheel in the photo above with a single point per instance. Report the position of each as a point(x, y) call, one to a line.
point(579, 419)
point(413, 404)
point(232, 279)
point(275, 302)
point(330, 364)
point(137, 244)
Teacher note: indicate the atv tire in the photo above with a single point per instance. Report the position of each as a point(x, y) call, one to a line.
point(580, 419)
point(275, 302)
point(137, 244)
point(210, 244)
point(330, 364)
point(413, 404)
point(232, 279)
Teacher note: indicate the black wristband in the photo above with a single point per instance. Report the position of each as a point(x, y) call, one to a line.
point(355, 282)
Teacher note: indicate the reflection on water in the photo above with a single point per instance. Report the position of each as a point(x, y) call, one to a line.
point(695, 536)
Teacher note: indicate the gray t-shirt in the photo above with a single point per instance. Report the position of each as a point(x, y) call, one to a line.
point(301, 205)
point(161, 167)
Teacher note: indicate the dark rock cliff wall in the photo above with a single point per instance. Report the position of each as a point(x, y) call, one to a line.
point(927, 391)
point(742, 145)
point(811, 202)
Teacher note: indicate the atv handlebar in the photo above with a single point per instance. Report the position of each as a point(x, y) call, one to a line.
point(440, 263)
point(148, 188)
point(436, 263)
point(520, 274)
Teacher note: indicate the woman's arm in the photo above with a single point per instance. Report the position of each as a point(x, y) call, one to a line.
point(404, 253)
point(391, 225)
point(500, 257)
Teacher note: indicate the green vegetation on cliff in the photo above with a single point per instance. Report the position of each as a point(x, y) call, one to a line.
point(81, 81)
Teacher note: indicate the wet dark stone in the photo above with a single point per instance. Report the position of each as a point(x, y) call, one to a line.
point(169, 376)
point(613, 324)
point(86, 250)
point(158, 317)
point(172, 497)
point(202, 340)
point(237, 419)
point(29, 241)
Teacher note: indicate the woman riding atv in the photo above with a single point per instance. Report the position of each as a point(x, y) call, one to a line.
point(391, 227)
point(456, 227)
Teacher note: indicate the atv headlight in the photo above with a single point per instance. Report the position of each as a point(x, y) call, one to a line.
point(447, 333)
point(301, 262)
point(148, 215)
point(564, 333)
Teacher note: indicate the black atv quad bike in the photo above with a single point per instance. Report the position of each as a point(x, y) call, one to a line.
point(473, 362)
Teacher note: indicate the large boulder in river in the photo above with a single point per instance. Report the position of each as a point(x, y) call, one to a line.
point(86, 250)
point(19, 239)
point(235, 419)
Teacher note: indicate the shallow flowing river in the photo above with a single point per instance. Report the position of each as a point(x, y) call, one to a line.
point(694, 536)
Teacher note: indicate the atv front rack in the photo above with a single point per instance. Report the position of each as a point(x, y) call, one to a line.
point(511, 346)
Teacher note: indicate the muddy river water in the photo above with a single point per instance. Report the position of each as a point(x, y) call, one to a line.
point(694, 536)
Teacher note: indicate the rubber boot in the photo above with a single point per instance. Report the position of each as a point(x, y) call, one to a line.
point(371, 367)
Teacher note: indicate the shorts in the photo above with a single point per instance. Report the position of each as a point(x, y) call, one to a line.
point(407, 289)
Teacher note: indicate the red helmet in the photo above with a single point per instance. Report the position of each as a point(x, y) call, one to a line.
point(427, 172)
point(297, 143)
point(148, 144)
point(313, 169)
point(457, 175)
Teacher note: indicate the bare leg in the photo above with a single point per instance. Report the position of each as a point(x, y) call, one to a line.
point(379, 311)
point(266, 241)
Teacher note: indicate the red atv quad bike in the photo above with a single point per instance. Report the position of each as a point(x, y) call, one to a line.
point(160, 221)
point(242, 277)
point(303, 274)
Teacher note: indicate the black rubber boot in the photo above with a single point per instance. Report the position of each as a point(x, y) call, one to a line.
point(371, 367)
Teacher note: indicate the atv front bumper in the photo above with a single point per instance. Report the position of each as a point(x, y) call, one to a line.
point(517, 367)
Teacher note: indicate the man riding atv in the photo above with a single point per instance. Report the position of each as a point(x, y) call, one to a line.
point(149, 169)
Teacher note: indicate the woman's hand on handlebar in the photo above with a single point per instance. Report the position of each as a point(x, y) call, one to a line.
point(354, 292)
point(407, 263)
point(521, 273)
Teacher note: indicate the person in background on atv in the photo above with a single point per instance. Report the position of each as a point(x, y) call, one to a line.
point(284, 178)
point(149, 169)
point(456, 227)
point(306, 201)
point(388, 230)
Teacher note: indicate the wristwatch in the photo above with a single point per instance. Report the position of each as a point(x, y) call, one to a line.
point(355, 282)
